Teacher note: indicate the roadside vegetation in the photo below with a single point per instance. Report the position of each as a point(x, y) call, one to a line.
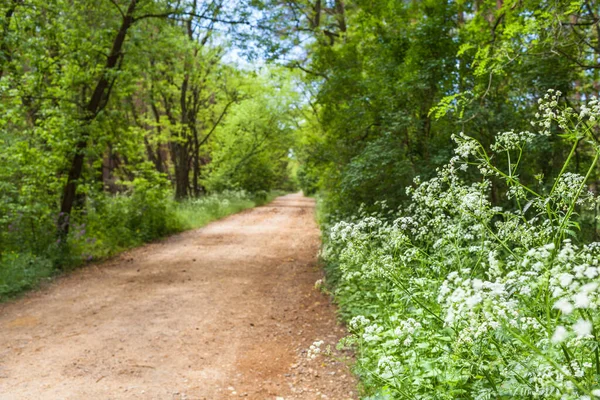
point(113, 224)
point(454, 297)
point(453, 146)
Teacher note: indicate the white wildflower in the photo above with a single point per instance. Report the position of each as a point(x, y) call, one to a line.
point(581, 300)
point(564, 306)
point(589, 287)
point(314, 349)
point(525, 291)
point(565, 279)
point(472, 301)
point(560, 334)
point(591, 272)
point(582, 328)
point(358, 322)
point(477, 284)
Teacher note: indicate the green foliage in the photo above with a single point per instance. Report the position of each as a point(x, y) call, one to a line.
point(391, 67)
point(308, 180)
point(399, 78)
point(252, 149)
point(22, 271)
point(377, 171)
point(195, 213)
point(115, 222)
point(454, 297)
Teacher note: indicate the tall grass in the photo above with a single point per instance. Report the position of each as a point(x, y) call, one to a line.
point(195, 213)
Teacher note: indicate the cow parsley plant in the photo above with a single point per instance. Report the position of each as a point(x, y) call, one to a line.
point(459, 298)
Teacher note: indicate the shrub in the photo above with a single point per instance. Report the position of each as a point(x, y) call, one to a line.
point(20, 272)
point(308, 180)
point(115, 222)
point(458, 298)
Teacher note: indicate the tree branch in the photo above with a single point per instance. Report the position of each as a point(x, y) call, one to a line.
point(216, 124)
point(114, 3)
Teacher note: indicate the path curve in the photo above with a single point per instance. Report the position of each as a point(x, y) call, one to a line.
point(221, 312)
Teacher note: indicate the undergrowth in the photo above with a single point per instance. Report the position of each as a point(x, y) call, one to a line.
point(110, 225)
point(454, 297)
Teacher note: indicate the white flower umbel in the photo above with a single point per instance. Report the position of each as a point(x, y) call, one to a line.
point(314, 350)
point(583, 328)
point(560, 334)
point(564, 306)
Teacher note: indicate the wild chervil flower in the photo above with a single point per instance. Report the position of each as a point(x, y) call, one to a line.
point(457, 297)
point(560, 334)
point(582, 328)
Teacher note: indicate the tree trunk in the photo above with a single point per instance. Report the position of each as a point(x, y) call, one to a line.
point(160, 159)
point(96, 103)
point(340, 10)
point(179, 153)
point(317, 21)
point(179, 147)
point(196, 159)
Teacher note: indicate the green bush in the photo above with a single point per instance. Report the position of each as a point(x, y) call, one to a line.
point(22, 271)
point(115, 222)
point(308, 180)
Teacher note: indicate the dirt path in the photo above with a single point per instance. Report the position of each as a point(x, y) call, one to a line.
point(221, 312)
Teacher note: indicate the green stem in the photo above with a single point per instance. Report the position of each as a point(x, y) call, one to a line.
point(595, 333)
point(548, 359)
point(574, 201)
point(564, 167)
point(413, 298)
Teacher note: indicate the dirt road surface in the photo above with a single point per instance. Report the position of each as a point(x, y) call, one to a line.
point(226, 311)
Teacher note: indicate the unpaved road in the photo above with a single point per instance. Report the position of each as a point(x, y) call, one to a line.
point(226, 311)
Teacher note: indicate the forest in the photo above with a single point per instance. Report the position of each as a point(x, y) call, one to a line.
point(122, 123)
point(452, 146)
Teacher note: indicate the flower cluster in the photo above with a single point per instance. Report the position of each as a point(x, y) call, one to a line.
point(314, 350)
point(511, 140)
point(567, 119)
